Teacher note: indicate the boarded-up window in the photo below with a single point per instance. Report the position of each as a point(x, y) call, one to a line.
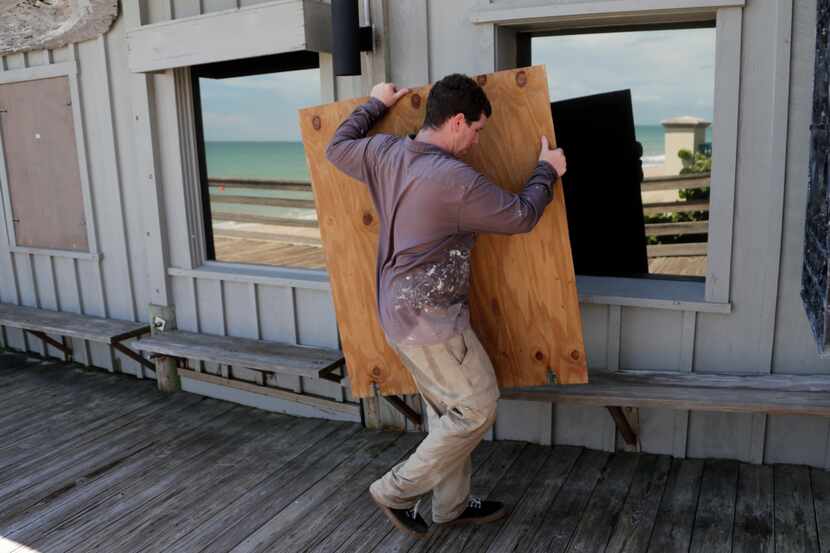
point(44, 182)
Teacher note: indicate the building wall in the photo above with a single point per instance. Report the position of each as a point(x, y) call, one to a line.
point(423, 40)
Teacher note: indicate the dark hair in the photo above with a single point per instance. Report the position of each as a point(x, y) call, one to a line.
point(453, 94)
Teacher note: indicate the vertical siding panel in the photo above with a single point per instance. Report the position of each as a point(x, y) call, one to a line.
point(186, 8)
point(277, 323)
point(46, 292)
point(156, 11)
point(217, 5)
point(317, 326)
point(91, 292)
point(80, 347)
point(650, 338)
point(9, 290)
point(69, 299)
point(28, 293)
point(128, 174)
point(211, 317)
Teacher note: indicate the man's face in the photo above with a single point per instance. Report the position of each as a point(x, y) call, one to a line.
point(466, 135)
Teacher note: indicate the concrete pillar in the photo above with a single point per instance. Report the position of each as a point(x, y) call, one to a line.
point(682, 133)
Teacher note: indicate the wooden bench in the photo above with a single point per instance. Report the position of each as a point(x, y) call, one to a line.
point(258, 355)
point(770, 394)
point(42, 322)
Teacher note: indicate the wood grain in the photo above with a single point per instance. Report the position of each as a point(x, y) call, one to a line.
point(524, 305)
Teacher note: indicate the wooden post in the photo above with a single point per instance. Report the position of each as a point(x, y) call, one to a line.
point(163, 319)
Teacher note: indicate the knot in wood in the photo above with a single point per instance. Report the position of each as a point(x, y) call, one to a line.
point(521, 78)
point(539, 356)
point(376, 371)
point(316, 123)
point(367, 218)
point(481, 80)
point(416, 100)
point(574, 355)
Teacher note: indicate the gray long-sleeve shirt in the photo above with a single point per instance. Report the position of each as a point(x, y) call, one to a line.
point(431, 205)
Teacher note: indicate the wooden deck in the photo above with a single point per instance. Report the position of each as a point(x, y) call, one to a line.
point(96, 462)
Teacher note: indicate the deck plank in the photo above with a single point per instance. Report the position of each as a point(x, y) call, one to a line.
point(527, 514)
point(510, 490)
point(562, 517)
point(294, 514)
point(639, 513)
point(79, 412)
point(795, 518)
point(191, 495)
point(324, 517)
point(820, 480)
point(753, 512)
point(182, 473)
point(672, 531)
point(367, 526)
point(195, 432)
point(716, 508)
point(55, 472)
point(270, 493)
point(603, 511)
point(112, 515)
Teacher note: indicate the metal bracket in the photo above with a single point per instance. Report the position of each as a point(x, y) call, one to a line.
point(400, 405)
point(67, 351)
point(330, 375)
point(623, 426)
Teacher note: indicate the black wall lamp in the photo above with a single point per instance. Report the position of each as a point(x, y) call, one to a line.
point(349, 39)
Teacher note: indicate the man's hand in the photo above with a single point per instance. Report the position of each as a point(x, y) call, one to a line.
point(555, 157)
point(388, 93)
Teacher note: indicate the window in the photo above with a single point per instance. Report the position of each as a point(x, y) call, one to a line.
point(623, 222)
point(256, 190)
point(43, 185)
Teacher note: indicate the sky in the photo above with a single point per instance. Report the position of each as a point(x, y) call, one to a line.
point(670, 73)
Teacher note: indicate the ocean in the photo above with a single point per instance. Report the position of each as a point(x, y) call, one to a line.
point(286, 160)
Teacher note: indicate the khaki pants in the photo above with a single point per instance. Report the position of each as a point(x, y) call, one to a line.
point(458, 384)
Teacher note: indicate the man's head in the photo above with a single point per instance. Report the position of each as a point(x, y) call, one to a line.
point(457, 109)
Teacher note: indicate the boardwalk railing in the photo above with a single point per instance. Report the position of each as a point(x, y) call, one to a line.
point(678, 182)
point(224, 191)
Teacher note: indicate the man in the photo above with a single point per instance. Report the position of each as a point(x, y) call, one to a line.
point(431, 205)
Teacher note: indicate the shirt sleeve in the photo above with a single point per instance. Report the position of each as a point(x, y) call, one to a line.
point(350, 150)
point(486, 207)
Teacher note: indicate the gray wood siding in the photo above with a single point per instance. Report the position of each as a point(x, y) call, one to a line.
point(423, 41)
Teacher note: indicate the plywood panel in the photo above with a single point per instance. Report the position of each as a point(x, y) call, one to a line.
point(42, 164)
point(523, 301)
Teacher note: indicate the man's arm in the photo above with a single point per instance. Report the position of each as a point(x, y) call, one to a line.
point(486, 207)
point(350, 150)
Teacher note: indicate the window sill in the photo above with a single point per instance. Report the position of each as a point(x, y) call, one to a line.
point(677, 295)
point(270, 276)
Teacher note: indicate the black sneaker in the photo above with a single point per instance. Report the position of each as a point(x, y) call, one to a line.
point(406, 520)
point(479, 512)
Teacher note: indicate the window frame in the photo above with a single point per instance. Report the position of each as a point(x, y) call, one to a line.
point(69, 70)
point(512, 28)
point(197, 194)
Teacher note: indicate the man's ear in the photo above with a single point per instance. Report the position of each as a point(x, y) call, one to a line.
point(458, 120)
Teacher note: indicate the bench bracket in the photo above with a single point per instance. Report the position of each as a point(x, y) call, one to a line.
point(400, 405)
point(46, 339)
point(623, 426)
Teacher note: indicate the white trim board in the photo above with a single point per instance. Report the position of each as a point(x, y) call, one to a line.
point(618, 8)
point(233, 34)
